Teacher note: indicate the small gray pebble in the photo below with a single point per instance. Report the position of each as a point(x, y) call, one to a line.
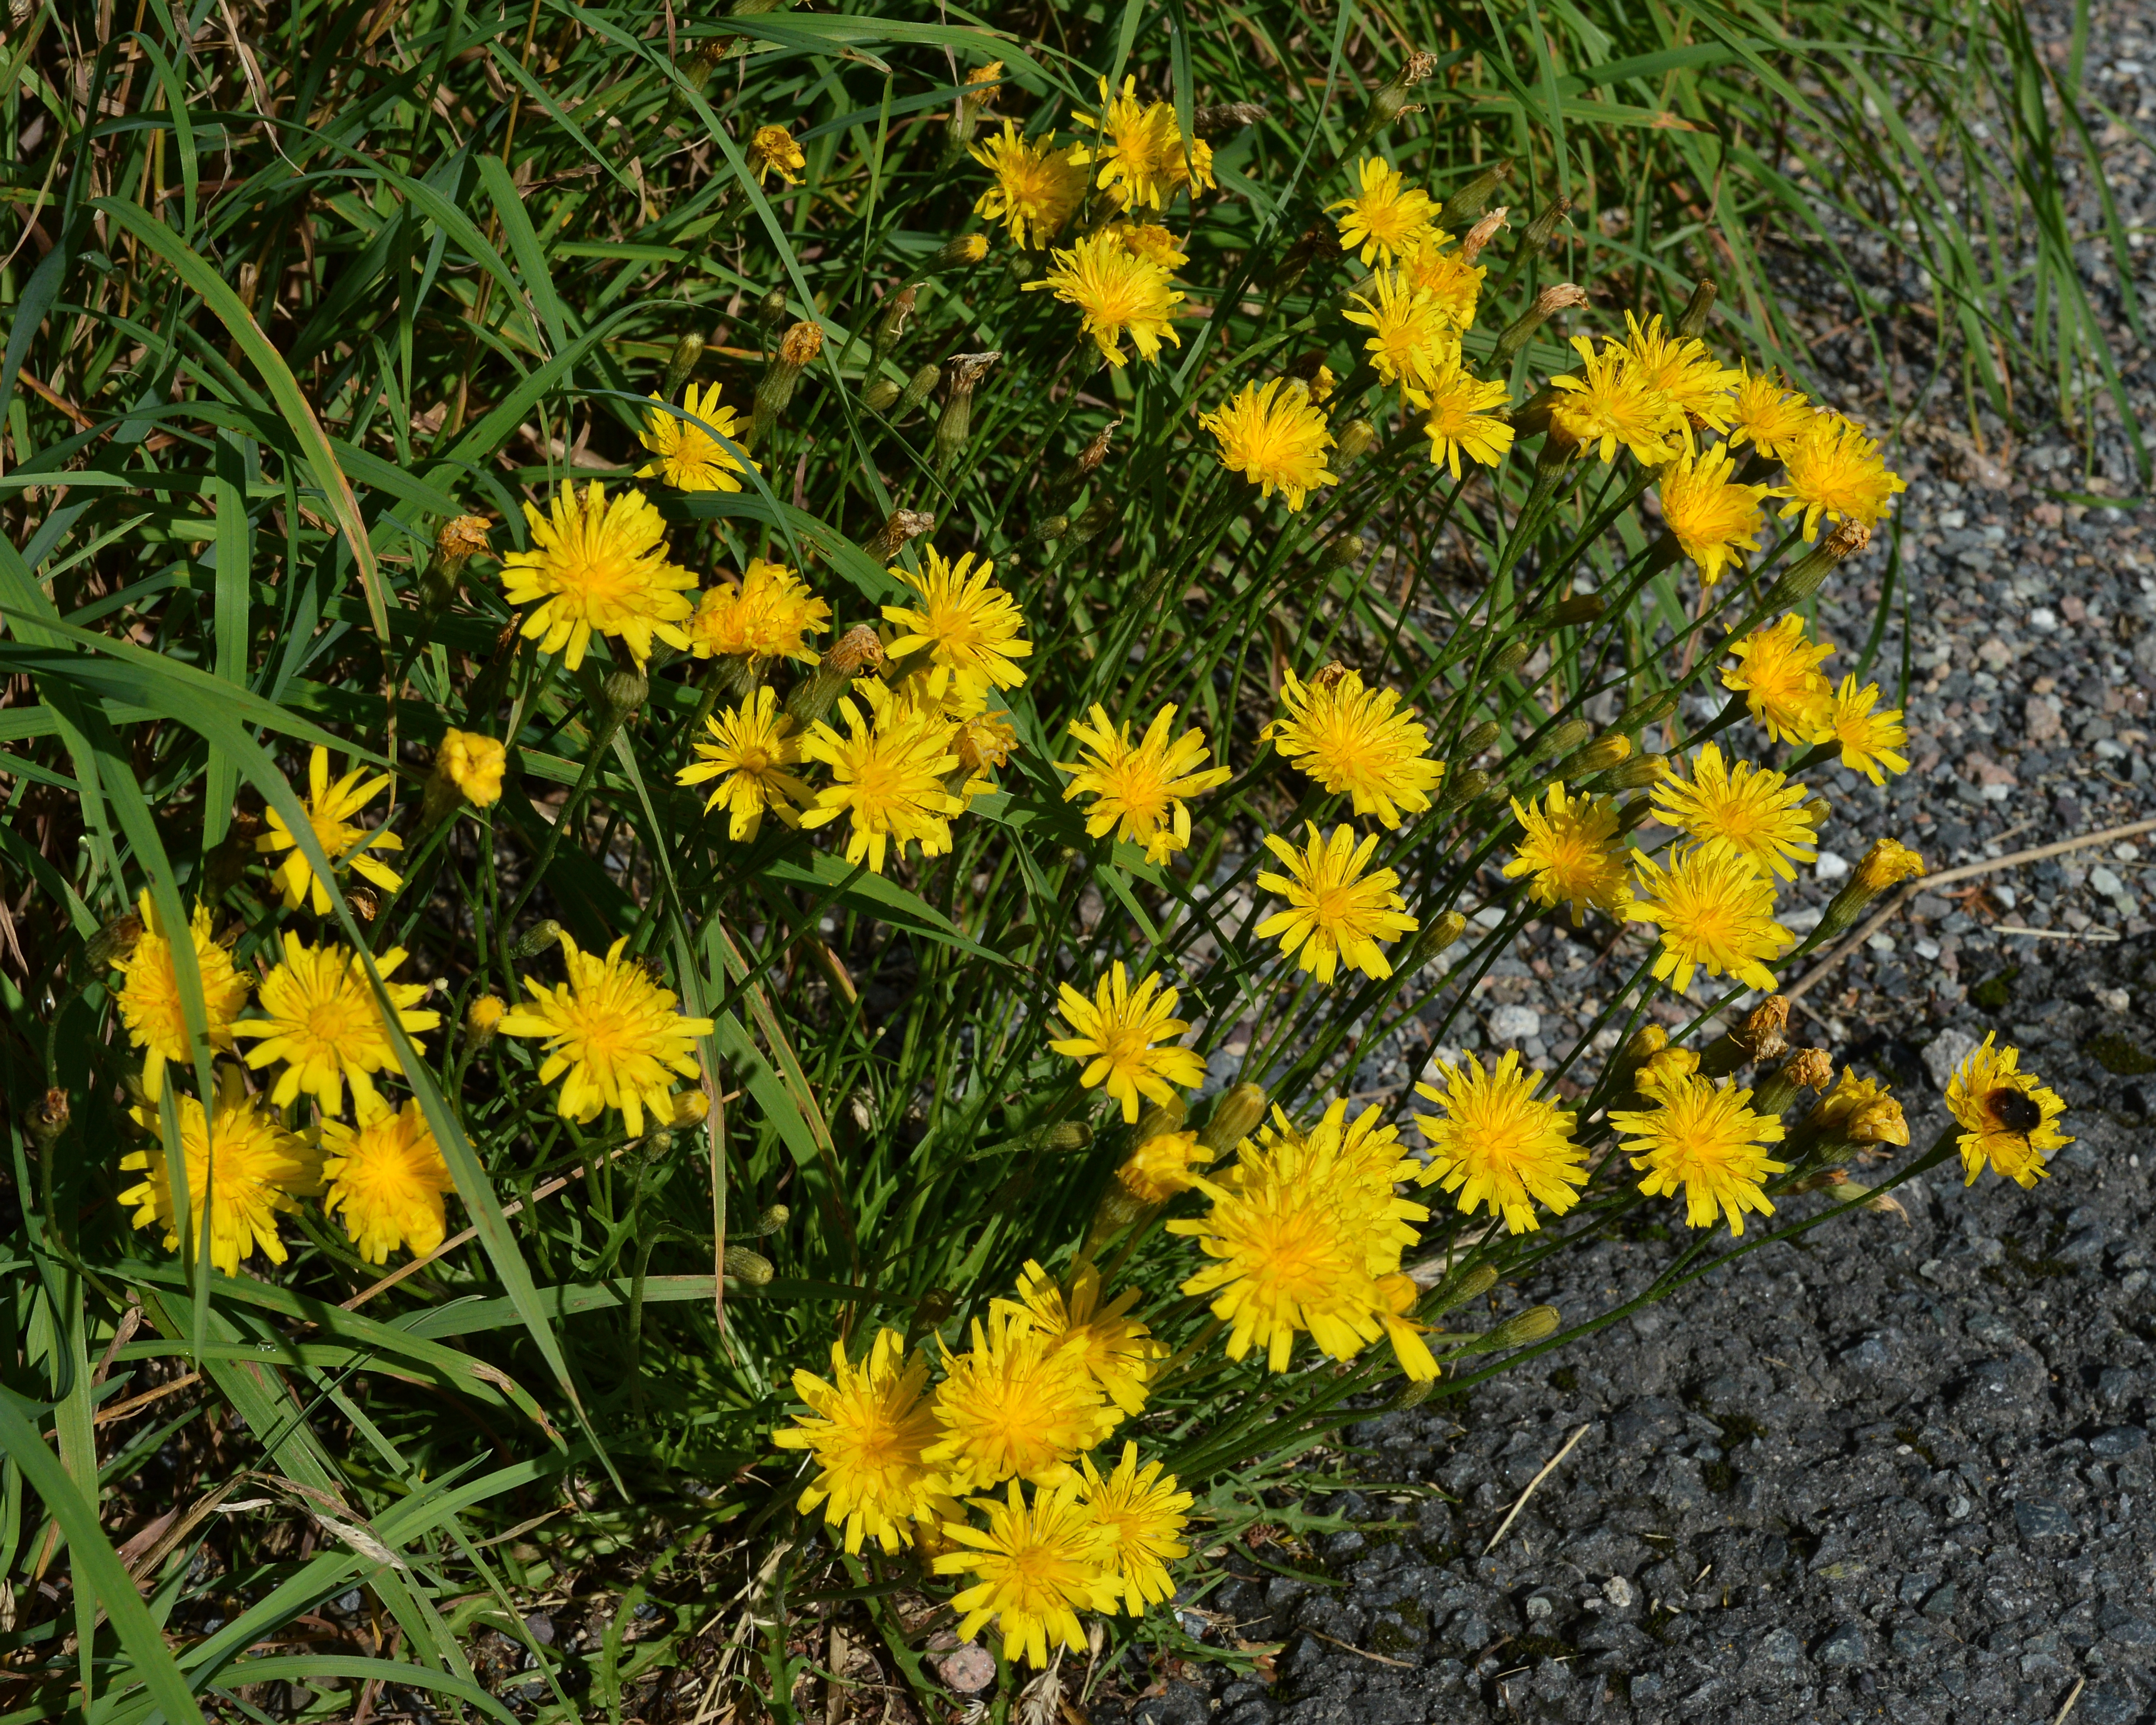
point(1844, 1646)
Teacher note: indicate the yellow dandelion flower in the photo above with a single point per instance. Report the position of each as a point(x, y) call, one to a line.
point(1609, 402)
point(1039, 1564)
point(867, 1429)
point(684, 455)
point(1767, 413)
point(1142, 1511)
point(1162, 1166)
point(1357, 741)
point(1386, 217)
point(1869, 739)
point(1716, 912)
point(329, 808)
point(1038, 188)
point(474, 763)
point(769, 613)
point(1746, 810)
point(1680, 368)
point(598, 567)
point(611, 1035)
point(387, 1177)
point(241, 1162)
point(1411, 341)
point(1860, 1110)
point(1151, 241)
point(1338, 907)
point(1497, 1145)
point(484, 1017)
point(321, 1019)
point(1570, 850)
point(1777, 673)
point(1017, 1403)
point(1276, 437)
point(1127, 1037)
point(1834, 470)
point(752, 749)
point(1704, 1139)
point(1457, 420)
point(771, 150)
point(1140, 790)
point(968, 628)
point(887, 773)
point(1117, 1350)
point(1118, 293)
point(1446, 276)
point(1888, 863)
point(2007, 1118)
point(149, 995)
point(984, 743)
point(1144, 158)
point(1711, 517)
point(1364, 1161)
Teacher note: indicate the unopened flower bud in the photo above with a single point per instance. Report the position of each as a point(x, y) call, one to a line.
point(1340, 550)
point(922, 385)
point(880, 396)
point(1480, 738)
point(690, 1108)
point(1640, 1047)
point(768, 1221)
point(1508, 659)
point(1522, 1329)
point(1471, 199)
point(899, 529)
point(855, 651)
point(1647, 710)
point(1561, 739)
point(966, 371)
point(1564, 296)
point(1355, 439)
point(1693, 320)
point(1574, 609)
point(49, 1120)
point(1636, 773)
point(1235, 1116)
point(113, 942)
point(1664, 1069)
point(960, 254)
point(1610, 750)
point(1065, 1138)
point(540, 937)
point(1807, 1069)
point(1888, 863)
point(1462, 787)
point(771, 311)
point(1803, 578)
point(1481, 234)
point(482, 1019)
point(890, 327)
point(1219, 119)
point(797, 349)
point(680, 365)
point(1460, 1287)
point(1544, 229)
point(1437, 934)
point(1094, 520)
point(751, 1268)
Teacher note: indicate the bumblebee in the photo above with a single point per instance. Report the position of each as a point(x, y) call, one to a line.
point(2014, 1110)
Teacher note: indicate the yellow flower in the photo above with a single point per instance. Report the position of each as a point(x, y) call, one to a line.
point(1860, 1110)
point(1834, 470)
point(1888, 863)
point(1118, 293)
point(683, 453)
point(474, 764)
point(1745, 810)
point(598, 567)
point(329, 810)
point(321, 1019)
point(1162, 1166)
point(1144, 157)
point(1037, 188)
point(1150, 240)
point(1680, 368)
point(887, 773)
point(771, 150)
point(1457, 420)
point(1778, 672)
point(1497, 1145)
point(1364, 1161)
point(1273, 435)
point(1411, 341)
point(1017, 1403)
point(1039, 1564)
point(387, 1176)
point(615, 1034)
point(1611, 404)
point(1702, 1137)
point(1117, 1350)
point(968, 629)
point(1356, 741)
point(484, 1018)
point(1386, 218)
point(1139, 789)
point(1446, 276)
point(1710, 515)
point(1142, 1513)
point(240, 1161)
point(1767, 413)
point(1338, 907)
point(1716, 912)
point(867, 1427)
point(984, 743)
point(149, 996)
point(2007, 1118)
point(1569, 847)
point(1125, 1037)
point(770, 615)
point(753, 747)
point(1869, 739)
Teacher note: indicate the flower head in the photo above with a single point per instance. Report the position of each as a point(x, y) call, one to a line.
point(1038, 188)
point(1888, 863)
point(321, 1019)
point(1498, 1145)
point(2007, 1118)
point(329, 808)
point(474, 763)
point(1150, 240)
point(1126, 1038)
point(615, 1034)
point(1611, 401)
point(1411, 339)
point(1117, 1350)
point(1276, 437)
point(1711, 517)
point(867, 1429)
point(752, 750)
point(1860, 1110)
point(1457, 420)
point(1681, 368)
point(1834, 470)
point(1569, 850)
point(598, 567)
point(1703, 1138)
point(1338, 907)
point(1118, 293)
point(769, 615)
point(1386, 218)
point(1356, 741)
point(1448, 276)
point(1716, 912)
point(1747, 810)
point(1777, 673)
point(241, 1162)
point(1869, 739)
point(1017, 1403)
point(683, 453)
point(968, 628)
point(1144, 158)
point(1163, 1166)
point(149, 996)
point(772, 150)
point(1039, 1564)
point(887, 773)
point(387, 1176)
point(1766, 412)
point(1139, 789)
point(1142, 1511)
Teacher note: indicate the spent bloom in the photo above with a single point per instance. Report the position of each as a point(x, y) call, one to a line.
point(1715, 910)
point(1127, 1037)
point(867, 1429)
point(1275, 436)
point(1704, 1139)
point(1017, 1403)
point(387, 1177)
point(241, 1162)
point(1569, 851)
point(968, 627)
point(598, 567)
point(1385, 217)
point(1713, 518)
point(329, 808)
point(1037, 187)
point(1457, 420)
point(1142, 1513)
point(1140, 790)
point(1338, 907)
point(1778, 672)
point(772, 149)
point(1869, 737)
point(684, 455)
point(1117, 293)
point(2007, 1116)
point(752, 754)
point(1750, 811)
point(149, 998)
point(1497, 1145)
point(1834, 470)
point(1357, 741)
point(1039, 1564)
point(887, 773)
point(320, 1018)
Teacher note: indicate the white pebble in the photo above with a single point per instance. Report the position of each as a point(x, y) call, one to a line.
point(2113, 1000)
point(1619, 1593)
point(2104, 880)
point(2043, 617)
point(1831, 866)
point(1514, 1024)
point(2126, 850)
